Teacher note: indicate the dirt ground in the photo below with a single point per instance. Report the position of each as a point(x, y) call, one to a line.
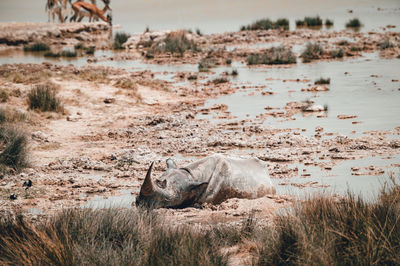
point(112, 130)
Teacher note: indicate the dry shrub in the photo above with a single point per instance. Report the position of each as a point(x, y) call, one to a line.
point(13, 148)
point(43, 97)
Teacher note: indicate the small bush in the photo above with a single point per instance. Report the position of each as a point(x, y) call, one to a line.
point(119, 39)
point(43, 98)
point(205, 64)
point(175, 43)
point(3, 96)
point(192, 77)
point(313, 21)
point(300, 23)
point(353, 23)
point(273, 56)
point(13, 148)
point(343, 43)
point(198, 32)
point(228, 61)
point(267, 24)
point(322, 81)
point(355, 49)
point(52, 54)
point(67, 53)
point(219, 80)
point(36, 47)
point(386, 44)
point(234, 72)
point(328, 22)
point(79, 46)
point(9, 115)
point(90, 50)
point(312, 51)
point(339, 53)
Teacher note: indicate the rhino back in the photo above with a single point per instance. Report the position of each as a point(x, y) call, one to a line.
point(230, 177)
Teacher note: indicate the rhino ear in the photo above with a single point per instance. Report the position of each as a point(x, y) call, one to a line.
point(198, 188)
point(171, 164)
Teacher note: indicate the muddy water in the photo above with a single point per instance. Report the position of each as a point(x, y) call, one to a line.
point(213, 16)
point(367, 91)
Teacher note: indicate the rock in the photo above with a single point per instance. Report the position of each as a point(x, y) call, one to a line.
point(109, 100)
point(346, 116)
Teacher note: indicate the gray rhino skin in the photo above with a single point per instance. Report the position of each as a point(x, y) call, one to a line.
point(212, 180)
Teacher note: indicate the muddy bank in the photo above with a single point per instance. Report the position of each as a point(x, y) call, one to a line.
point(14, 34)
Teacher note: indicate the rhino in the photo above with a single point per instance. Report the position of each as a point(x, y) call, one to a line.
point(212, 179)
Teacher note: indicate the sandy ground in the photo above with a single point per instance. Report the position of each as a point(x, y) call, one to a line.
point(109, 133)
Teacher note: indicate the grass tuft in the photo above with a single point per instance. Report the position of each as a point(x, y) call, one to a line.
point(322, 81)
point(13, 153)
point(273, 56)
point(36, 47)
point(353, 23)
point(267, 24)
point(175, 43)
point(313, 51)
point(339, 53)
point(43, 97)
point(119, 39)
point(328, 22)
point(386, 44)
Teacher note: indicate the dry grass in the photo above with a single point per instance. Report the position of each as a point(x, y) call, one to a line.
point(319, 231)
point(313, 51)
point(273, 56)
point(13, 151)
point(43, 97)
point(175, 43)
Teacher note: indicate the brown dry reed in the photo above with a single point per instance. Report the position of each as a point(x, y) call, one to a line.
point(318, 231)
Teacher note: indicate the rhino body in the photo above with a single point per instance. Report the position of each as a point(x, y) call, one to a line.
point(212, 179)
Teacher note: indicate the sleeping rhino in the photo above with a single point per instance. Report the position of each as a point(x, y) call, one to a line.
point(212, 179)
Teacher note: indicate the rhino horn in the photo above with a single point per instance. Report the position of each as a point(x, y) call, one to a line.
point(147, 187)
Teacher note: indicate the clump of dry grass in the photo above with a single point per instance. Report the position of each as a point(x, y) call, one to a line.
point(273, 56)
point(43, 97)
point(104, 237)
point(28, 77)
point(175, 43)
point(313, 51)
point(13, 151)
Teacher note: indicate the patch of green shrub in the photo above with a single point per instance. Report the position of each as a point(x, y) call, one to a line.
point(119, 39)
point(205, 64)
point(175, 43)
point(322, 81)
point(328, 22)
point(36, 47)
point(267, 24)
point(52, 54)
point(68, 53)
point(353, 23)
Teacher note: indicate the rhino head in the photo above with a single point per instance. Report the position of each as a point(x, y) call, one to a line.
point(176, 188)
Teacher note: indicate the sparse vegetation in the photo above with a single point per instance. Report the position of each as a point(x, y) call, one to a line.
point(386, 44)
point(355, 49)
point(343, 43)
point(43, 97)
point(353, 23)
point(273, 56)
point(322, 81)
point(267, 24)
point(219, 80)
point(119, 39)
point(68, 53)
point(205, 64)
point(309, 22)
point(52, 54)
point(175, 43)
point(339, 53)
point(192, 77)
point(313, 51)
point(198, 32)
point(318, 231)
point(9, 115)
point(328, 22)
point(234, 72)
point(104, 237)
point(3, 96)
point(13, 152)
point(125, 83)
point(36, 47)
point(228, 61)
